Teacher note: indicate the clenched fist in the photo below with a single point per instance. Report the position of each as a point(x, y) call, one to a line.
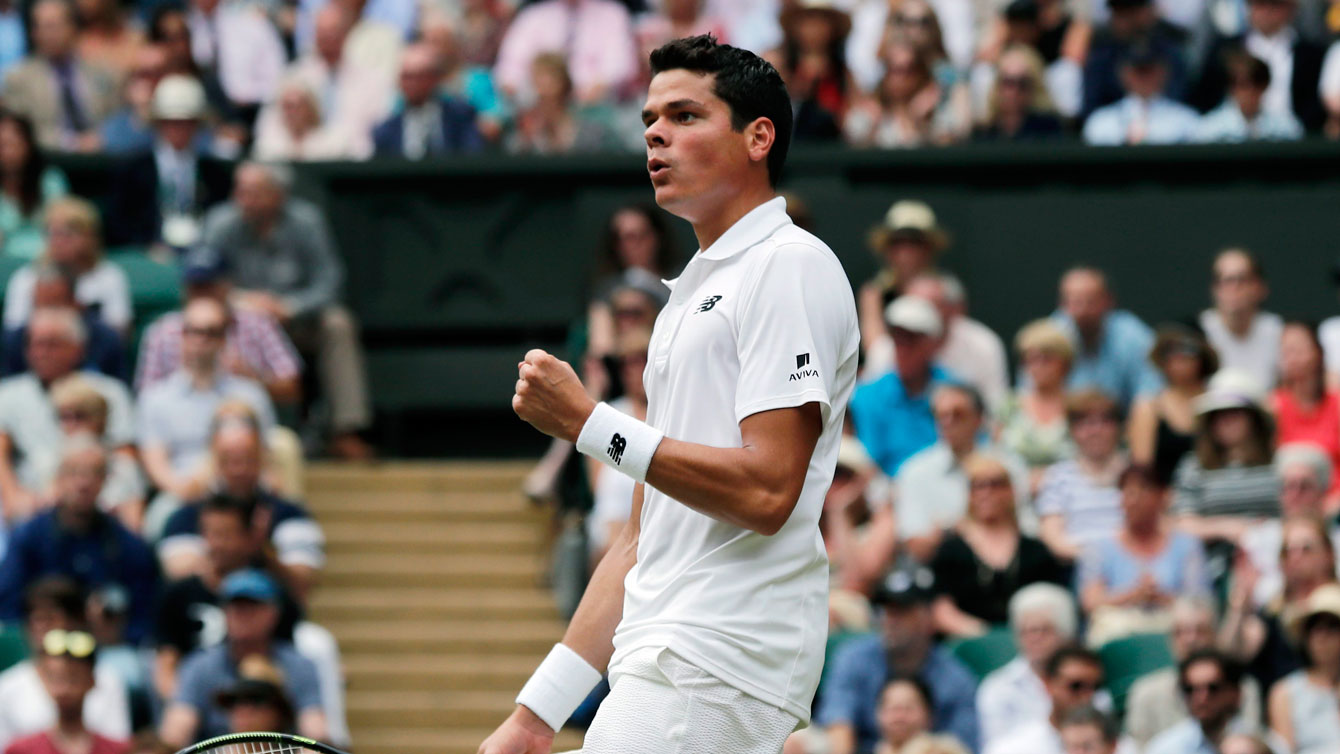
point(551, 397)
point(522, 733)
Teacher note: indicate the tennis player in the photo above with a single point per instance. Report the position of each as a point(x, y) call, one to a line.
point(711, 608)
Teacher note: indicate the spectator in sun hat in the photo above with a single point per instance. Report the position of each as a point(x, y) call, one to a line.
point(1145, 115)
point(907, 243)
point(892, 413)
point(1228, 482)
point(1303, 708)
point(904, 645)
point(179, 173)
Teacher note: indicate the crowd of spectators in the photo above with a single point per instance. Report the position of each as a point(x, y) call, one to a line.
point(1145, 518)
point(182, 84)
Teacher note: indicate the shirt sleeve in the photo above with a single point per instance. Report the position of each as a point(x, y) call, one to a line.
point(303, 686)
point(120, 413)
point(911, 505)
point(300, 541)
point(152, 357)
point(1329, 84)
point(279, 358)
point(19, 297)
point(113, 293)
point(1089, 567)
point(1187, 487)
point(791, 334)
point(1051, 494)
point(193, 687)
point(325, 268)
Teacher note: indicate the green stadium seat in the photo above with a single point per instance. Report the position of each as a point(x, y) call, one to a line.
point(1126, 660)
point(13, 645)
point(983, 654)
point(155, 287)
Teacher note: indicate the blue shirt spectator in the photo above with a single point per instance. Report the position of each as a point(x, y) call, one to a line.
point(89, 547)
point(208, 671)
point(891, 424)
point(1227, 123)
point(1133, 120)
point(860, 670)
point(1118, 363)
point(13, 40)
point(1178, 569)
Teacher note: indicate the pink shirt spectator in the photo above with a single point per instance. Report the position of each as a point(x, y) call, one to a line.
point(1321, 427)
point(254, 338)
point(41, 743)
point(595, 35)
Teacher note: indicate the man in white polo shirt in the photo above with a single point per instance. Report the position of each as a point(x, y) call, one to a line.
point(710, 609)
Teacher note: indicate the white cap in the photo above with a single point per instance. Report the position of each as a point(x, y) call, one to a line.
point(915, 314)
point(1230, 388)
point(178, 97)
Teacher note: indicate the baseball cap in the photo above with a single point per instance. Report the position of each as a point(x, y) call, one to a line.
point(178, 97)
point(203, 264)
point(905, 587)
point(915, 314)
point(249, 584)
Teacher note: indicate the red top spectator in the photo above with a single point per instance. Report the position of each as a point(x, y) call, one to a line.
point(1305, 409)
point(41, 743)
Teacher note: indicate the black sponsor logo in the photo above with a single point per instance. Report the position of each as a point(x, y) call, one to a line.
point(617, 446)
point(802, 360)
point(707, 304)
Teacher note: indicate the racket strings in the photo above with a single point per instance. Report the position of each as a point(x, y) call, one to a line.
point(258, 747)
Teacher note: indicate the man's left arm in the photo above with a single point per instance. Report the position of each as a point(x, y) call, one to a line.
point(324, 266)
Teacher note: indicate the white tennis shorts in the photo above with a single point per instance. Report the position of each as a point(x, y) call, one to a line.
point(660, 703)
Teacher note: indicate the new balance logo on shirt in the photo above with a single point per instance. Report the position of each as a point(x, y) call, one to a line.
point(802, 361)
point(617, 446)
point(707, 304)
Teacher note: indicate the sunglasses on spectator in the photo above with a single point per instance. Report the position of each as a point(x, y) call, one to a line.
point(1213, 688)
point(905, 70)
point(1232, 279)
point(78, 644)
point(1099, 418)
point(1301, 547)
point(1299, 485)
point(953, 414)
point(74, 415)
point(205, 332)
point(630, 313)
point(1001, 482)
point(1079, 687)
point(1016, 82)
point(903, 19)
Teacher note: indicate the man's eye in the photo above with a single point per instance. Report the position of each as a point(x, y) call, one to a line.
point(685, 117)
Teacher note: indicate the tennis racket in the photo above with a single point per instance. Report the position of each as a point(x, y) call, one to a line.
point(260, 743)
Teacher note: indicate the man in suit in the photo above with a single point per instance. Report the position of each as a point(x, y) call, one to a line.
point(430, 122)
point(178, 171)
point(1295, 64)
point(66, 97)
point(1131, 23)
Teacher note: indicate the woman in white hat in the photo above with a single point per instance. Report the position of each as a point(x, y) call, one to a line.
point(1228, 482)
point(1303, 708)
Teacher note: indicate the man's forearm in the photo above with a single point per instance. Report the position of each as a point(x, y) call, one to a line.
point(751, 487)
point(591, 632)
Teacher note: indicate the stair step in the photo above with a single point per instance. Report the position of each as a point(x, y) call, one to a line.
point(507, 636)
point(483, 709)
point(379, 507)
point(339, 533)
point(386, 672)
point(428, 603)
point(413, 476)
point(402, 740)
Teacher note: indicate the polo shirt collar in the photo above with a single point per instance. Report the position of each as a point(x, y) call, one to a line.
point(757, 225)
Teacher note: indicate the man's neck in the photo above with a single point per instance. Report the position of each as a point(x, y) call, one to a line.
point(710, 229)
point(963, 450)
point(75, 523)
point(915, 384)
point(1238, 321)
point(241, 649)
point(907, 661)
point(203, 377)
point(1214, 730)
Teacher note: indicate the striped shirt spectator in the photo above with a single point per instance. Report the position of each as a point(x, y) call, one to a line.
point(254, 339)
point(1089, 506)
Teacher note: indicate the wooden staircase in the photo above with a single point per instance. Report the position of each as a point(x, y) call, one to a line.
point(432, 588)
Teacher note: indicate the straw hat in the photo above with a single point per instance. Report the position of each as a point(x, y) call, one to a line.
point(909, 219)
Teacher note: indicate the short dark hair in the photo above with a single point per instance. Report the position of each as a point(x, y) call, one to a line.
point(748, 84)
point(1229, 668)
point(1088, 715)
point(243, 508)
point(923, 690)
point(1243, 66)
point(1069, 653)
point(57, 592)
point(1144, 474)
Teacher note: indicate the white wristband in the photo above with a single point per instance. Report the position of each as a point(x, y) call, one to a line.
point(558, 686)
point(619, 441)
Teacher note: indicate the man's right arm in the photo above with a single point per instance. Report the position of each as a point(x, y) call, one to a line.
point(590, 635)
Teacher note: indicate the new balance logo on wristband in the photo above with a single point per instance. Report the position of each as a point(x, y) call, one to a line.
point(707, 304)
point(617, 446)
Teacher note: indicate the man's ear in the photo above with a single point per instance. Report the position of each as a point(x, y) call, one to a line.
point(762, 135)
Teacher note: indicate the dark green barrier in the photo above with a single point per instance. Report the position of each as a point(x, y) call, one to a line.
point(456, 268)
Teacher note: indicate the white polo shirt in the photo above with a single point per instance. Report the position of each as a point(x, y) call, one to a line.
point(762, 319)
